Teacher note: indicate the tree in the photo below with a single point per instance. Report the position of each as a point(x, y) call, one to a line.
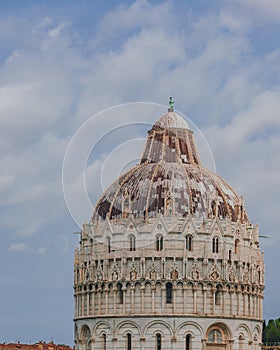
point(271, 331)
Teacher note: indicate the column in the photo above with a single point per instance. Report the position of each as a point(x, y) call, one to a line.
point(99, 301)
point(174, 289)
point(238, 302)
point(83, 304)
point(194, 300)
point(106, 301)
point(132, 299)
point(114, 297)
point(185, 299)
point(142, 298)
point(163, 296)
point(214, 299)
point(124, 299)
point(87, 304)
point(153, 298)
point(204, 299)
point(223, 300)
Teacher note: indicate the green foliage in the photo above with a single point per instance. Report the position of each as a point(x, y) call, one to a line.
point(271, 331)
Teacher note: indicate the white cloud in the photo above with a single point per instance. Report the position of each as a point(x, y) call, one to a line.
point(18, 247)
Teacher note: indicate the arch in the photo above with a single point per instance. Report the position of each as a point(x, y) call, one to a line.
point(189, 324)
point(132, 243)
point(157, 323)
point(236, 246)
point(104, 341)
point(221, 333)
point(108, 243)
point(129, 324)
point(85, 333)
point(189, 335)
point(128, 341)
point(241, 341)
point(85, 337)
point(103, 325)
point(158, 341)
point(188, 341)
point(159, 242)
point(169, 292)
point(243, 328)
point(120, 293)
point(189, 243)
point(218, 295)
point(215, 244)
point(215, 336)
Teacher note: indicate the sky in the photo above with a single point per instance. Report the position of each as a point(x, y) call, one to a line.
point(80, 84)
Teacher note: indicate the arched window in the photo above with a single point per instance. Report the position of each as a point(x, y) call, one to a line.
point(189, 246)
point(236, 246)
point(159, 242)
point(229, 255)
point(104, 341)
point(132, 243)
point(188, 342)
point(241, 341)
point(120, 293)
point(215, 336)
point(215, 245)
point(218, 296)
point(168, 293)
point(108, 241)
point(129, 341)
point(86, 337)
point(158, 341)
point(125, 208)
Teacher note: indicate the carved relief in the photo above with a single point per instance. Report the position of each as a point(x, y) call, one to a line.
point(195, 271)
point(133, 270)
point(115, 271)
point(153, 272)
point(231, 273)
point(214, 273)
point(99, 271)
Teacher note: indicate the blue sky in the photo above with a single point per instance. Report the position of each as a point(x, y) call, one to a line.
point(61, 62)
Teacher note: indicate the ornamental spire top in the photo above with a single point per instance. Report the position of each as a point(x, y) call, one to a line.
point(171, 104)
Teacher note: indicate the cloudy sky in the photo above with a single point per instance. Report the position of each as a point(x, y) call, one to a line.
point(63, 62)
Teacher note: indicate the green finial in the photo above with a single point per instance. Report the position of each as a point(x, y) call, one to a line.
point(171, 103)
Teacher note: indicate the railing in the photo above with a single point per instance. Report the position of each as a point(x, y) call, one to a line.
point(271, 346)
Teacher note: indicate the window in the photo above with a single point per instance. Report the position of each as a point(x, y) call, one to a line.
point(229, 255)
point(120, 293)
point(236, 246)
point(188, 342)
point(108, 240)
point(218, 296)
point(189, 243)
point(159, 242)
point(132, 243)
point(168, 293)
point(215, 336)
point(104, 340)
point(215, 245)
point(125, 208)
point(241, 341)
point(129, 341)
point(158, 341)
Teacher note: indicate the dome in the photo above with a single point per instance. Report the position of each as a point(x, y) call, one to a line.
point(169, 180)
point(171, 120)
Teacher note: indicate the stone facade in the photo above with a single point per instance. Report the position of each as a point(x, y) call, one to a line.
point(167, 280)
point(37, 346)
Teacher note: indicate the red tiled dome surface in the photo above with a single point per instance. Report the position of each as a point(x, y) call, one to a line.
point(169, 180)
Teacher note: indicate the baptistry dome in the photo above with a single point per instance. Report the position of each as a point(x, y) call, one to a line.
point(169, 259)
point(169, 180)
